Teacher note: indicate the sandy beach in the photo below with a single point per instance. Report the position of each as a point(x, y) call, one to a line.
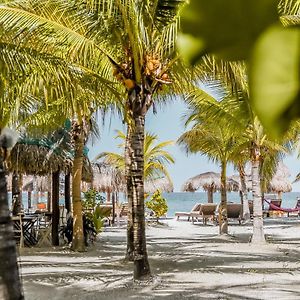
point(188, 262)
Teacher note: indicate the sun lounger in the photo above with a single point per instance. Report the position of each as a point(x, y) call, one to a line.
point(298, 206)
point(196, 208)
point(234, 211)
point(206, 212)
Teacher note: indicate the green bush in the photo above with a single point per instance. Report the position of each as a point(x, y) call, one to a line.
point(91, 198)
point(99, 214)
point(91, 206)
point(157, 204)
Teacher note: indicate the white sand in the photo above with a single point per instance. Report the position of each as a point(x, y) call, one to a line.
point(188, 262)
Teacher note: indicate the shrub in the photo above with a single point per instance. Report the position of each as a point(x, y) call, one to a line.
point(91, 205)
point(157, 204)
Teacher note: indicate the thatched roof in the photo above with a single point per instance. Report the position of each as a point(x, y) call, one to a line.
point(39, 183)
point(25, 180)
point(282, 171)
point(280, 182)
point(248, 181)
point(208, 181)
point(107, 178)
point(163, 184)
point(39, 160)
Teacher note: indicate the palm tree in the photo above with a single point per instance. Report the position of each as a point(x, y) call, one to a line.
point(76, 89)
point(79, 131)
point(9, 274)
point(235, 114)
point(217, 142)
point(132, 40)
point(155, 157)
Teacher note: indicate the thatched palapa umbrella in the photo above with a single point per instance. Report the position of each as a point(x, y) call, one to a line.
point(248, 181)
point(107, 178)
point(41, 157)
point(40, 160)
point(163, 184)
point(210, 182)
point(280, 183)
point(110, 180)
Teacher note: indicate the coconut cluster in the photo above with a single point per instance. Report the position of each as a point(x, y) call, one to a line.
point(152, 68)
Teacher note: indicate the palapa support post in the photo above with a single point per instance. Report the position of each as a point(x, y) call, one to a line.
point(29, 199)
point(55, 208)
point(113, 208)
point(108, 197)
point(49, 194)
point(67, 192)
point(16, 193)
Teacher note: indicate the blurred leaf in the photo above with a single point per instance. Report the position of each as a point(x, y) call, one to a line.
point(227, 29)
point(190, 47)
point(274, 76)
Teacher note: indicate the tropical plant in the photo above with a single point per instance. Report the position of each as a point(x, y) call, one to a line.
point(157, 204)
point(235, 116)
point(155, 157)
point(92, 209)
point(10, 283)
point(137, 40)
point(100, 214)
point(91, 198)
point(261, 33)
point(69, 84)
point(216, 141)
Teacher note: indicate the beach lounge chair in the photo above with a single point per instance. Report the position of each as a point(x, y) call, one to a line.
point(297, 206)
point(196, 208)
point(293, 212)
point(206, 212)
point(234, 211)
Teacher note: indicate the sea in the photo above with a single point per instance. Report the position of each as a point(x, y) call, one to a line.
point(184, 201)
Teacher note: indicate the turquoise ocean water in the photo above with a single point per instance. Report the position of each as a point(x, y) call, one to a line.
point(185, 201)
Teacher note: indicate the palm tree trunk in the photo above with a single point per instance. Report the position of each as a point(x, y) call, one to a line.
point(55, 208)
point(210, 194)
point(128, 155)
point(223, 221)
point(141, 264)
point(246, 210)
point(258, 230)
point(10, 283)
point(67, 192)
point(16, 193)
point(78, 236)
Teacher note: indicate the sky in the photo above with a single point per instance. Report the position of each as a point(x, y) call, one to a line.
point(168, 125)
